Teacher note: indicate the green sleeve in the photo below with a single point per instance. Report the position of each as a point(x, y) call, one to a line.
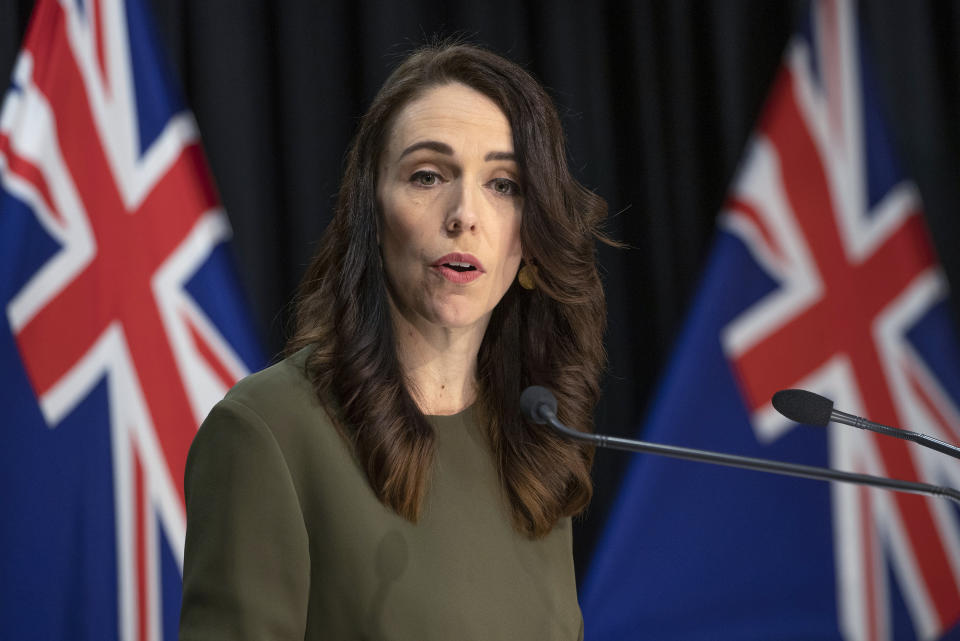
point(246, 571)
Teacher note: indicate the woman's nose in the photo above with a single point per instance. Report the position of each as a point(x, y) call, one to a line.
point(463, 210)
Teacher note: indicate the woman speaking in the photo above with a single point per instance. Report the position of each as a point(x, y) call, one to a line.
point(380, 483)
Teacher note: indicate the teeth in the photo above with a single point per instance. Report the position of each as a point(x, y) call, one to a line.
point(460, 267)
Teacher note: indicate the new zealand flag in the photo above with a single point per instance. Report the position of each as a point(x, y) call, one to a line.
point(122, 324)
point(822, 277)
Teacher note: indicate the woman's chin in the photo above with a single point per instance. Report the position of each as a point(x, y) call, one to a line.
point(460, 317)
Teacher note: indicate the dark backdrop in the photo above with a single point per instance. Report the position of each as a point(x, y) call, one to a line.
point(658, 98)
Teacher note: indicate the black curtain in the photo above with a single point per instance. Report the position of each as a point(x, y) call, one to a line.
point(658, 99)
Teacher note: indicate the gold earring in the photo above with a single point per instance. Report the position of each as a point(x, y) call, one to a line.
point(526, 276)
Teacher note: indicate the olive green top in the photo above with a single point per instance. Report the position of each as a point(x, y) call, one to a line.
point(286, 540)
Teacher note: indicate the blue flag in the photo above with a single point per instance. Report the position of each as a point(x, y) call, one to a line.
point(122, 325)
point(822, 277)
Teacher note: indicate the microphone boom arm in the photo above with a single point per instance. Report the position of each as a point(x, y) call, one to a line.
point(748, 463)
point(914, 437)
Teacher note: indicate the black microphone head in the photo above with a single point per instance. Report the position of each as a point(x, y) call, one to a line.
point(532, 398)
point(802, 406)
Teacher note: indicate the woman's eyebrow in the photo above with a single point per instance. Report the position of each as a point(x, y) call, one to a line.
point(433, 145)
point(447, 150)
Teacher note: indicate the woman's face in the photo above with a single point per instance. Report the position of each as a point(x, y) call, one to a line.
point(450, 203)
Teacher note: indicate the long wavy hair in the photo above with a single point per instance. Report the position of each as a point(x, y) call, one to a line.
point(551, 336)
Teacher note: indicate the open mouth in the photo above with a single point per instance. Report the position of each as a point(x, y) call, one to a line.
point(461, 267)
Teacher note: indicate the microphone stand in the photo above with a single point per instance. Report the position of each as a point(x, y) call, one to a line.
point(837, 416)
point(543, 413)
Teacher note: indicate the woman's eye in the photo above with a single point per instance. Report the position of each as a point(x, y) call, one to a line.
point(506, 187)
point(425, 178)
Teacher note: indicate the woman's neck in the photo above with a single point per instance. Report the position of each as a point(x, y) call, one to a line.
point(440, 363)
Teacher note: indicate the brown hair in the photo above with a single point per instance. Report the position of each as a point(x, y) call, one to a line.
point(551, 336)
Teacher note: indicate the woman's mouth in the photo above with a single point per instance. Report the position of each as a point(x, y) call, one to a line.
point(459, 268)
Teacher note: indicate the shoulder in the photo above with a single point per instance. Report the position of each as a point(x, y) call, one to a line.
point(281, 397)
point(277, 407)
point(271, 423)
point(283, 386)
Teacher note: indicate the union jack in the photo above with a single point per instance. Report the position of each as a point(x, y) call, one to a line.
point(117, 284)
point(850, 303)
point(856, 273)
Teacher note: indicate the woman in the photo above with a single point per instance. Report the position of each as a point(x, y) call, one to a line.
point(380, 482)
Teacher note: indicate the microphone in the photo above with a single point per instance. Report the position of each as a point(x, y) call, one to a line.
point(806, 407)
point(538, 405)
